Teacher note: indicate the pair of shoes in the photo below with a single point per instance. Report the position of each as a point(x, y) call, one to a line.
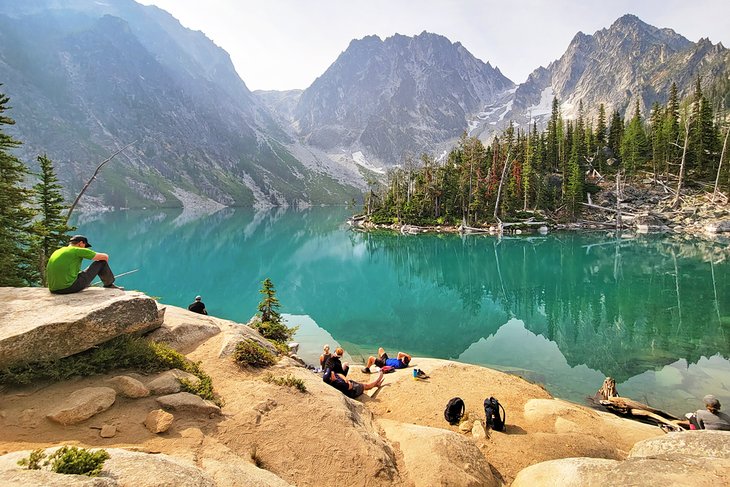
point(114, 286)
point(421, 374)
point(366, 370)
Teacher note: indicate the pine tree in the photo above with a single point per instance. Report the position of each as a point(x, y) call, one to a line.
point(615, 133)
point(671, 128)
point(634, 146)
point(16, 263)
point(50, 229)
point(269, 304)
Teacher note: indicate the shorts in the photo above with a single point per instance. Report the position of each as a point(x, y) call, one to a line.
point(380, 361)
point(356, 391)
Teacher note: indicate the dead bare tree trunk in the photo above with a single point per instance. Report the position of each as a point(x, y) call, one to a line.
point(499, 191)
point(88, 183)
point(719, 167)
point(618, 201)
point(675, 203)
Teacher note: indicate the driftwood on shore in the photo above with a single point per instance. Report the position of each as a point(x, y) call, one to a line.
point(608, 397)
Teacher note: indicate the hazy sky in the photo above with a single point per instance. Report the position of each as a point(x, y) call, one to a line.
point(286, 44)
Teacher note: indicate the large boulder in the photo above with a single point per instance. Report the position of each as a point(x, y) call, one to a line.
point(38, 325)
point(579, 472)
point(83, 404)
point(123, 469)
point(704, 443)
point(170, 381)
point(184, 330)
point(434, 456)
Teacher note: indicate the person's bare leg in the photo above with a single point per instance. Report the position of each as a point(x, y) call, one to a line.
point(381, 352)
point(371, 361)
point(375, 383)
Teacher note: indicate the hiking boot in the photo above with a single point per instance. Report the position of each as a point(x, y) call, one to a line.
point(114, 286)
point(366, 370)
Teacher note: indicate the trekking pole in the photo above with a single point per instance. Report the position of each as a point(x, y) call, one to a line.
point(98, 283)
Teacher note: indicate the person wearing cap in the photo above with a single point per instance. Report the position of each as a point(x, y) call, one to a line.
point(64, 274)
point(711, 418)
point(198, 306)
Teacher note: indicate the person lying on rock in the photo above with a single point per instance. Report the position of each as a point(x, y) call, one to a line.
point(710, 418)
point(400, 362)
point(350, 388)
point(335, 364)
point(63, 272)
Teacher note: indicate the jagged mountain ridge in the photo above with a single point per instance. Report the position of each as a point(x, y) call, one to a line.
point(616, 66)
point(389, 97)
point(86, 77)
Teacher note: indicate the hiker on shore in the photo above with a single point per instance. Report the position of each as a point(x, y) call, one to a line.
point(400, 362)
point(198, 306)
point(63, 272)
point(336, 365)
point(325, 356)
point(350, 388)
point(710, 418)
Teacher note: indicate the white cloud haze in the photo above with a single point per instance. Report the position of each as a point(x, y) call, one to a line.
point(286, 44)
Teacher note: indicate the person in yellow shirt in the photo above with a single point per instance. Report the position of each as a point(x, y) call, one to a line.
point(64, 274)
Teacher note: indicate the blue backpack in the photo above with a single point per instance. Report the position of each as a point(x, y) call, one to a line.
point(495, 419)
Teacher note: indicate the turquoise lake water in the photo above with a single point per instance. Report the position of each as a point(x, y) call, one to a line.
point(564, 310)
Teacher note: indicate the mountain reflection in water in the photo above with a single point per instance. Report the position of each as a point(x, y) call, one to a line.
point(565, 309)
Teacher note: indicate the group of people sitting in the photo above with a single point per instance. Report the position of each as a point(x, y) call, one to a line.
point(335, 371)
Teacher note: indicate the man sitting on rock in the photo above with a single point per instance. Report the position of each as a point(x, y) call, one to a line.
point(400, 362)
point(198, 306)
point(63, 272)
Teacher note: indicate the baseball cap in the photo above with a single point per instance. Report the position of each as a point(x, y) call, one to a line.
point(80, 238)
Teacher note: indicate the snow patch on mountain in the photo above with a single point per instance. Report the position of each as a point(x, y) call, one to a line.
point(545, 106)
point(360, 159)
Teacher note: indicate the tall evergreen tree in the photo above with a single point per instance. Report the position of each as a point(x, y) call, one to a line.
point(16, 262)
point(634, 146)
point(269, 303)
point(50, 229)
point(615, 133)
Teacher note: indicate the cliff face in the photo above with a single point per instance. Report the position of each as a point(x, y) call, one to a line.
point(616, 66)
point(86, 78)
point(398, 96)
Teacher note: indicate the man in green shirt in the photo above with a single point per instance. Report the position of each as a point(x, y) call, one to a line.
point(63, 272)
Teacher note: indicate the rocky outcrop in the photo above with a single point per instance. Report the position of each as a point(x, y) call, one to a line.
point(434, 456)
point(38, 325)
point(183, 330)
point(688, 458)
point(124, 468)
point(83, 404)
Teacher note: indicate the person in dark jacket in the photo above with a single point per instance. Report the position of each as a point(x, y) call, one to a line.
point(350, 388)
point(198, 306)
point(336, 365)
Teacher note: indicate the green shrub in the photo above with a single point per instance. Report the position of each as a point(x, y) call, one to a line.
point(249, 352)
point(276, 332)
point(289, 381)
point(33, 462)
point(78, 461)
point(68, 460)
point(124, 352)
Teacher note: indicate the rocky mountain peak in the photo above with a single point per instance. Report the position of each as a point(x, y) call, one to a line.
point(404, 94)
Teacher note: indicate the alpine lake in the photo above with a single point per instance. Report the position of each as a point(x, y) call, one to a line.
point(564, 310)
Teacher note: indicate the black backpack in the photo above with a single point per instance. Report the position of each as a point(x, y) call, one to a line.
point(495, 420)
point(454, 410)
